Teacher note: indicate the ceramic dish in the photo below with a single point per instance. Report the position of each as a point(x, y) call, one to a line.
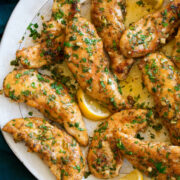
point(27, 12)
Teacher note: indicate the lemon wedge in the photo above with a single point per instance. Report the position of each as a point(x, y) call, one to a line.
point(134, 175)
point(155, 3)
point(90, 108)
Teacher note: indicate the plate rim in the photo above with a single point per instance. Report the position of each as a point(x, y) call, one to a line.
point(20, 12)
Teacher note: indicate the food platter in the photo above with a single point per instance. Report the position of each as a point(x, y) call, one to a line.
point(27, 12)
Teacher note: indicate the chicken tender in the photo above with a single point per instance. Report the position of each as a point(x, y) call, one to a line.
point(49, 97)
point(176, 52)
point(56, 148)
point(161, 80)
point(41, 53)
point(49, 48)
point(87, 61)
point(151, 31)
point(103, 158)
point(107, 16)
point(158, 160)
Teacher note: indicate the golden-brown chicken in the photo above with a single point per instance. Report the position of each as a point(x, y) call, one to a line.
point(56, 148)
point(158, 160)
point(150, 32)
point(62, 12)
point(107, 16)
point(161, 80)
point(86, 60)
point(49, 97)
point(176, 52)
point(173, 127)
point(49, 48)
point(104, 159)
point(40, 54)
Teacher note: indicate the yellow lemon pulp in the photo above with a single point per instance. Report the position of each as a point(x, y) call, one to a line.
point(134, 175)
point(90, 108)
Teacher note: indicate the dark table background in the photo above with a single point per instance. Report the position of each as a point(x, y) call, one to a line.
point(10, 167)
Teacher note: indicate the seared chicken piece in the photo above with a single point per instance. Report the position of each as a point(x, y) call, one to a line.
point(150, 32)
point(108, 18)
point(87, 61)
point(49, 97)
point(161, 80)
point(176, 52)
point(173, 127)
point(56, 148)
point(41, 54)
point(49, 48)
point(62, 12)
point(103, 158)
point(158, 160)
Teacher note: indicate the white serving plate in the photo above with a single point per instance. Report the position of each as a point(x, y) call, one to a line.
point(26, 12)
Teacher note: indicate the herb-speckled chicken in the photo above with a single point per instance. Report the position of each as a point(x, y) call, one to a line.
point(150, 32)
point(87, 61)
point(49, 97)
point(56, 148)
point(158, 160)
point(176, 52)
point(162, 81)
point(108, 19)
point(104, 159)
point(49, 47)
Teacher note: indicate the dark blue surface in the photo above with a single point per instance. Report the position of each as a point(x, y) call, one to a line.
point(10, 167)
point(6, 7)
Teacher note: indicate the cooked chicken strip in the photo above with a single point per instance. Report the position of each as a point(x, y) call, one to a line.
point(62, 12)
point(49, 97)
point(174, 130)
point(158, 160)
point(41, 54)
point(86, 60)
point(150, 32)
point(56, 148)
point(108, 18)
point(49, 48)
point(161, 80)
point(176, 52)
point(104, 160)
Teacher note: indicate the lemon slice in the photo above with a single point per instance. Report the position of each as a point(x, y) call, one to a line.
point(155, 3)
point(90, 108)
point(134, 175)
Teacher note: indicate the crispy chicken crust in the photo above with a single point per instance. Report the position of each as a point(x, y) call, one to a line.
point(151, 31)
point(107, 16)
point(49, 97)
point(162, 81)
point(103, 158)
point(158, 160)
point(86, 60)
point(56, 148)
point(49, 48)
point(176, 52)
